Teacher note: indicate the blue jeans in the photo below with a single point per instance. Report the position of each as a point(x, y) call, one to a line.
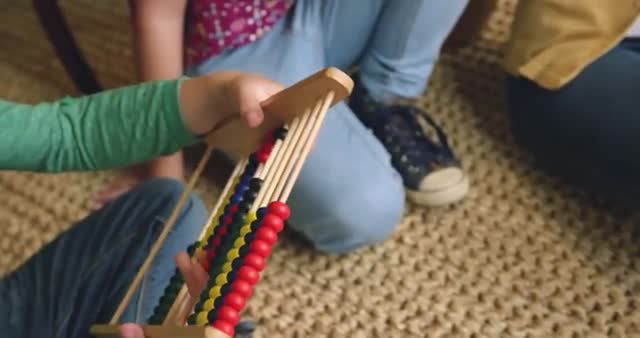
point(587, 132)
point(79, 278)
point(348, 194)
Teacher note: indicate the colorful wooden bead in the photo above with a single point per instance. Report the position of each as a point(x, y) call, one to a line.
point(201, 318)
point(227, 267)
point(238, 243)
point(279, 209)
point(208, 304)
point(260, 248)
point(225, 327)
point(280, 133)
point(255, 261)
point(242, 287)
point(273, 222)
point(263, 156)
point(228, 314)
point(267, 234)
point(235, 301)
point(249, 274)
point(214, 292)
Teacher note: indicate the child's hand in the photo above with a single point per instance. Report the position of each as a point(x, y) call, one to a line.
point(195, 278)
point(208, 100)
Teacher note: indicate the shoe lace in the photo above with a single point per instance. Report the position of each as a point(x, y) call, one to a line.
point(407, 140)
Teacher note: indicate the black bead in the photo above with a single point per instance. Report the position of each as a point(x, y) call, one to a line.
point(211, 316)
point(253, 159)
point(218, 302)
point(244, 250)
point(249, 237)
point(237, 263)
point(255, 184)
point(231, 276)
point(280, 133)
point(225, 289)
point(244, 207)
point(250, 196)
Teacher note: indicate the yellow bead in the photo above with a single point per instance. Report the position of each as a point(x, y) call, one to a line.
point(245, 230)
point(251, 217)
point(233, 254)
point(238, 243)
point(208, 304)
point(214, 292)
point(201, 318)
point(226, 267)
point(221, 279)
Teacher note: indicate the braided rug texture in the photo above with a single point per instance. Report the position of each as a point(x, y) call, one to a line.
point(522, 256)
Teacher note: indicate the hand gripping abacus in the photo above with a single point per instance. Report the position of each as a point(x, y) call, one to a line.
point(248, 216)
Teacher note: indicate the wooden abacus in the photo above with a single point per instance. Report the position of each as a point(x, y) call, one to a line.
point(249, 214)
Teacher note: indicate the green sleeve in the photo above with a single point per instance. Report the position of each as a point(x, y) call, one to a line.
point(114, 128)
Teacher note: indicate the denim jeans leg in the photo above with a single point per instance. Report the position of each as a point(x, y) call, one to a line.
point(79, 278)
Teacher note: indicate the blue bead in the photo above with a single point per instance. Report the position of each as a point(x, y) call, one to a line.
point(237, 263)
point(236, 198)
point(249, 237)
point(261, 212)
point(244, 250)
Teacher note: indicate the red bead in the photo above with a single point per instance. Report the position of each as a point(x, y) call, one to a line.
point(229, 314)
point(249, 274)
point(267, 235)
point(226, 327)
point(261, 248)
point(262, 156)
point(227, 220)
point(269, 147)
point(242, 288)
point(273, 222)
point(279, 209)
point(223, 231)
point(255, 261)
point(234, 208)
point(216, 241)
point(210, 254)
point(235, 301)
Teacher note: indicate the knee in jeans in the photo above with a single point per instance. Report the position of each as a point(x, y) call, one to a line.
point(167, 192)
point(369, 217)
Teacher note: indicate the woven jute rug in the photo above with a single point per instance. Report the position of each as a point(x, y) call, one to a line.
point(522, 256)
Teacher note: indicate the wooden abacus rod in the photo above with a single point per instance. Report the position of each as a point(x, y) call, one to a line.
point(163, 235)
point(276, 148)
point(237, 171)
point(282, 161)
point(182, 297)
point(274, 162)
point(295, 155)
point(326, 103)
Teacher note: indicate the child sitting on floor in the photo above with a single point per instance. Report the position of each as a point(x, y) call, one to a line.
point(78, 279)
point(370, 152)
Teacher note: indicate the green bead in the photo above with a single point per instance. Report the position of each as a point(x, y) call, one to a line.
point(192, 319)
point(164, 308)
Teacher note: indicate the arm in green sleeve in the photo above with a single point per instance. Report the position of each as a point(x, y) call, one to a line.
point(107, 130)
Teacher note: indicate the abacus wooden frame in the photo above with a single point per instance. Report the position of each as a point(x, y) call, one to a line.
point(329, 85)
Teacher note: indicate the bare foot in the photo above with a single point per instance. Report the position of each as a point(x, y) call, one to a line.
point(170, 166)
point(113, 190)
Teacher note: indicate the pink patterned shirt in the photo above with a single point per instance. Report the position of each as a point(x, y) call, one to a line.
point(215, 26)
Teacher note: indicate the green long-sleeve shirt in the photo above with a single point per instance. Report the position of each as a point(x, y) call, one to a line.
point(110, 129)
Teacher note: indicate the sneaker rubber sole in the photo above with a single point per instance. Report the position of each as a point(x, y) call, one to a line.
point(441, 188)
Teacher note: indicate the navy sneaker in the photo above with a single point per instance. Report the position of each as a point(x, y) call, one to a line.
point(431, 172)
point(245, 329)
